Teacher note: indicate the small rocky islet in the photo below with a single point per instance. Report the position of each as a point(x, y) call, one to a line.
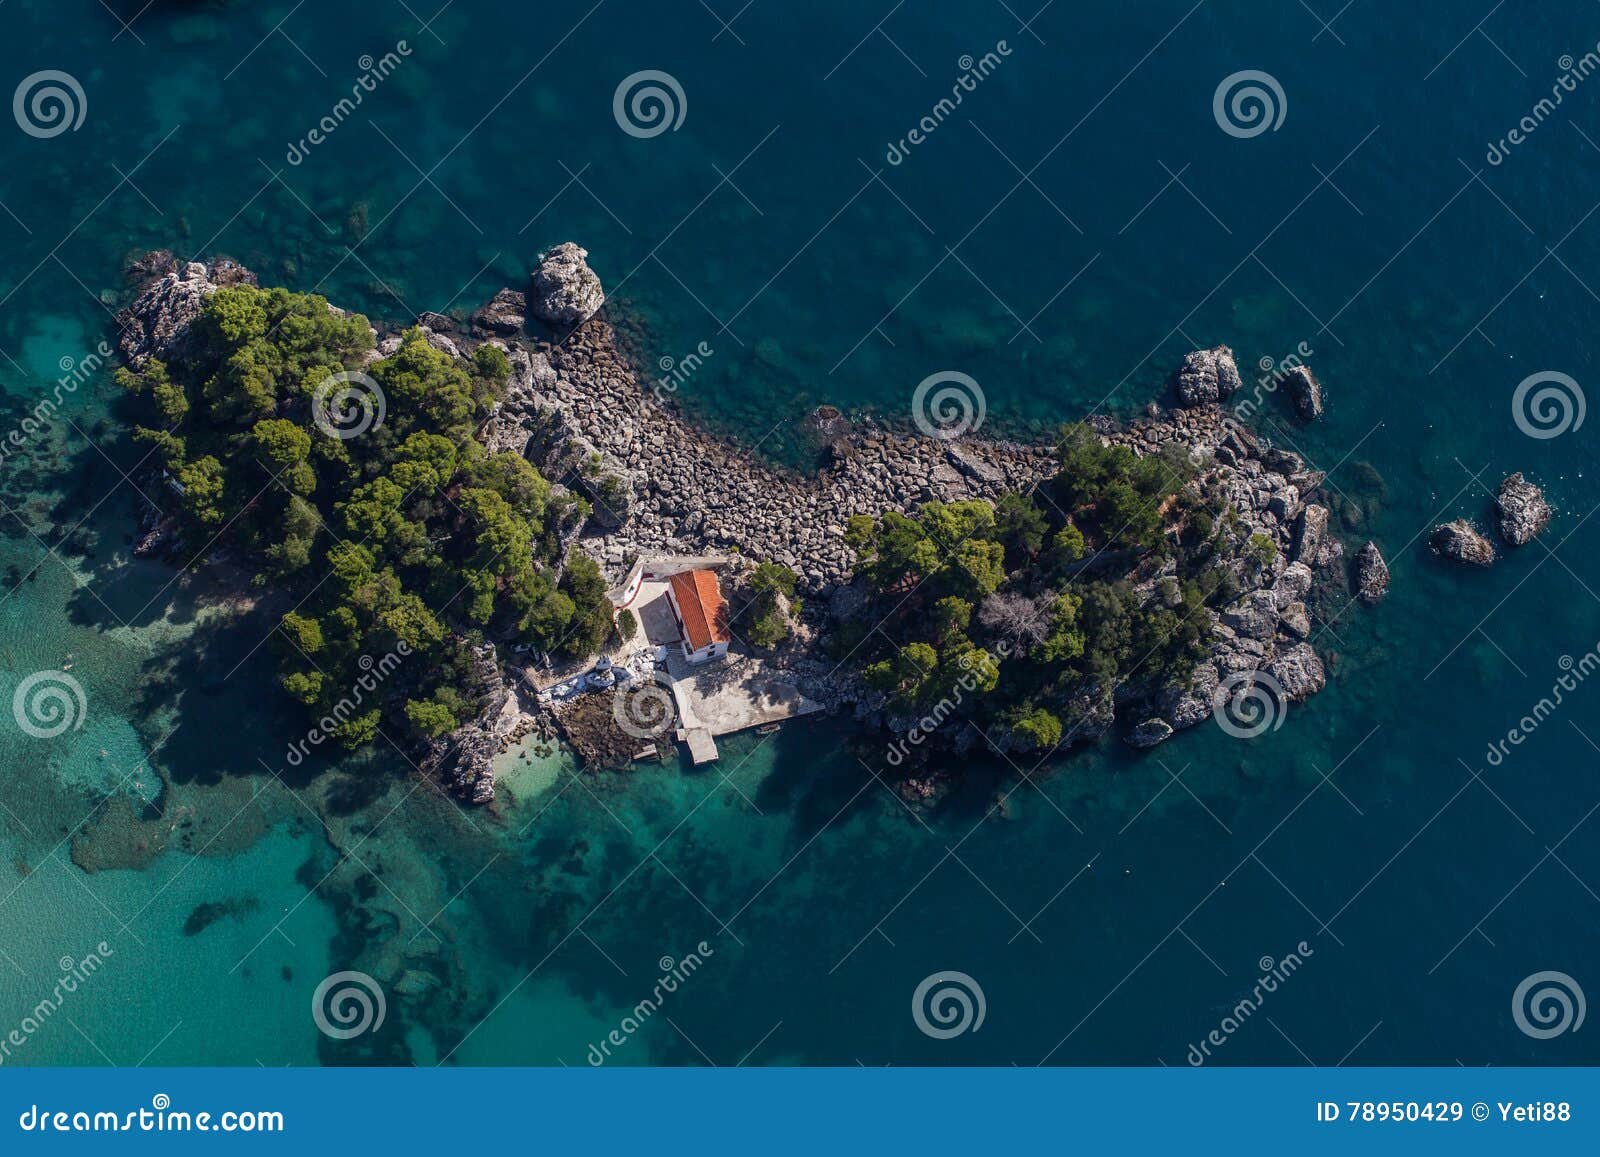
point(576, 409)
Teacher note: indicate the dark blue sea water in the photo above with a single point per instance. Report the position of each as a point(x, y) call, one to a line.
point(1063, 235)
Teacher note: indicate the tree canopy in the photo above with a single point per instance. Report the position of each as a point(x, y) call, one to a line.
point(356, 483)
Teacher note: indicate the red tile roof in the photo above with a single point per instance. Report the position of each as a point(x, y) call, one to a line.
point(705, 612)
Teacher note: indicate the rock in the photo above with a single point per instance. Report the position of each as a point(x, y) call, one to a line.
point(1460, 541)
point(1309, 532)
point(1285, 503)
point(1299, 672)
point(1150, 732)
point(1372, 574)
point(1294, 583)
point(1207, 376)
point(1520, 510)
point(565, 290)
point(1254, 616)
point(157, 324)
point(1296, 620)
point(504, 315)
point(1184, 705)
point(1304, 391)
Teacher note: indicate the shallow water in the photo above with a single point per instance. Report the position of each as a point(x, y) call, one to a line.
point(1063, 237)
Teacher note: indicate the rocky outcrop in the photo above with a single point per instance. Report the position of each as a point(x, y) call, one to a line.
point(505, 315)
point(565, 290)
point(1299, 672)
point(1304, 391)
point(1372, 574)
point(1520, 510)
point(156, 324)
point(1207, 376)
point(1150, 732)
point(1309, 532)
point(464, 759)
point(1461, 542)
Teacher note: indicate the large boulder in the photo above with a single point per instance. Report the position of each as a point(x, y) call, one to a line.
point(1309, 532)
point(1207, 376)
point(565, 290)
point(1372, 574)
point(1254, 616)
point(1304, 391)
point(502, 316)
point(1461, 542)
point(1520, 510)
point(1298, 671)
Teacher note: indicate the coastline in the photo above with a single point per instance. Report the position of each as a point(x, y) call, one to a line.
point(576, 409)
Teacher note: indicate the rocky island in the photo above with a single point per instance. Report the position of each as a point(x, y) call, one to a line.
point(502, 495)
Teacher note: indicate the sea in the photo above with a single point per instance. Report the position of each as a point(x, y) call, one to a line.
point(794, 205)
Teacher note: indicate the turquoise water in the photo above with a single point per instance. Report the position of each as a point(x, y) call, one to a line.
point(1109, 915)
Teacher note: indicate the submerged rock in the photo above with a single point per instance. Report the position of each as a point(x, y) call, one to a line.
point(1304, 391)
point(1372, 574)
point(1207, 376)
point(1150, 732)
point(1460, 541)
point(1520, 510)
point(565, 290)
